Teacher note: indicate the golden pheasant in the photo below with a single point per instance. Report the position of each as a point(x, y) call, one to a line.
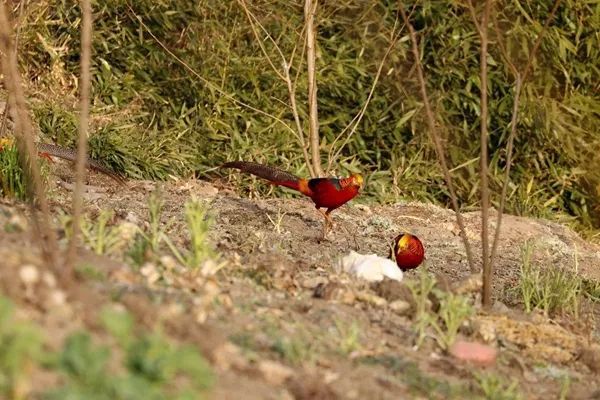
point(408, 251)
point(328, 193)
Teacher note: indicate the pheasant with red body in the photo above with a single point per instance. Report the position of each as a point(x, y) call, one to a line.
point(328, 193)
point(408, 251)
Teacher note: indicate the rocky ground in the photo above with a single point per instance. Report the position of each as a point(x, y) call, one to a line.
point(278, 319)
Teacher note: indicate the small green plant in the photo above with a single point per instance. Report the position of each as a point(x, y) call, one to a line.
point(348, 336)
point(152, 367)
point(12, 179)
point(20, 349)
point(453, 311)
point(549, 290)
point(591, 289)
point(198, 224)
point(99, 235)
point(494, 387)
point(146, 243)
point(294, 350)
point(420, 290)
point(13, 182)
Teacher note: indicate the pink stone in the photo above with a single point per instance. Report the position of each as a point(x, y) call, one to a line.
point(474, 352)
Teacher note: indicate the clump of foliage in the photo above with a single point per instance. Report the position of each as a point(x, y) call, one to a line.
point(13, 181)
point(138, 366)
point(153, 117)
point(551, 290)
point(447, 320)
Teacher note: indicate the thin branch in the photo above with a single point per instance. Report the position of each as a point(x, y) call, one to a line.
point(435, 137)
point(310, 8)
point(201, 78)
point(25, 144)
point(84, 112)
point(483, 159)
point(356, 120)
point(519, 79)
point(285, 77)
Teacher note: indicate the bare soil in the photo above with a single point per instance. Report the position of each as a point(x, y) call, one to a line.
point(281, 321)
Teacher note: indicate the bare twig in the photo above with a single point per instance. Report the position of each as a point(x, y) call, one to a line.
point(285, 76)
point(25, 144)
point(310, 8)
point(519, 79)
point(208, 83)
point(435, 137)
point(355, 122)
point(483, 159)
point(84, 112)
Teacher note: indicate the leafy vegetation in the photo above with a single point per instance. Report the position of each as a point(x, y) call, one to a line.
point(164, 76)
point(150, 366)
point(446, 321)
point(550, 290)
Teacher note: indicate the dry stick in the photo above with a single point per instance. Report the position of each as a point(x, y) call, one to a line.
point(204, 80)
point(27, 153)
point(485, 189)
point(84, 112)
point(285, 76)
point(358, 117)
point(3, 123)
point(356, 120)
point(514, 119)
point(433, 133)
point(310, 8)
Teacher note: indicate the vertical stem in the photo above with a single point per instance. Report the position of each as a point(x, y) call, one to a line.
point(310, 7)
point(27, 152)
point(84, 111)
point(436, 139)
point(485, 190)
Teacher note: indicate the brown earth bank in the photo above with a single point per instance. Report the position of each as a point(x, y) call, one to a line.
point(278, 319)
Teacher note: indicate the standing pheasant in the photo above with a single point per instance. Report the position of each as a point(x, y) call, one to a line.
point(328, 193)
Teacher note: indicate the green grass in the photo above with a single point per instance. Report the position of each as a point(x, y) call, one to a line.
point(495, 388)
point(444, 324)
point(137, 366)
point(551, 289)
point(418, 382)
point(153, 118)
point(13, 182)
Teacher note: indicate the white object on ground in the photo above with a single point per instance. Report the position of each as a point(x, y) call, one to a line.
point(370, 267)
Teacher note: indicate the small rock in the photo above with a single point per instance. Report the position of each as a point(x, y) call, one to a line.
point(149, 271)
point(371, 299)
point(57, 298)
point(128, 231)
point(474, 352)
point(363, 207)
point(469, 285)
point(227, 356)
point(168, 262)
point(16, 223)
point(400, 307)
point(49, 279)
point(311, 283)
point(29, 274)
point(274, 372)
